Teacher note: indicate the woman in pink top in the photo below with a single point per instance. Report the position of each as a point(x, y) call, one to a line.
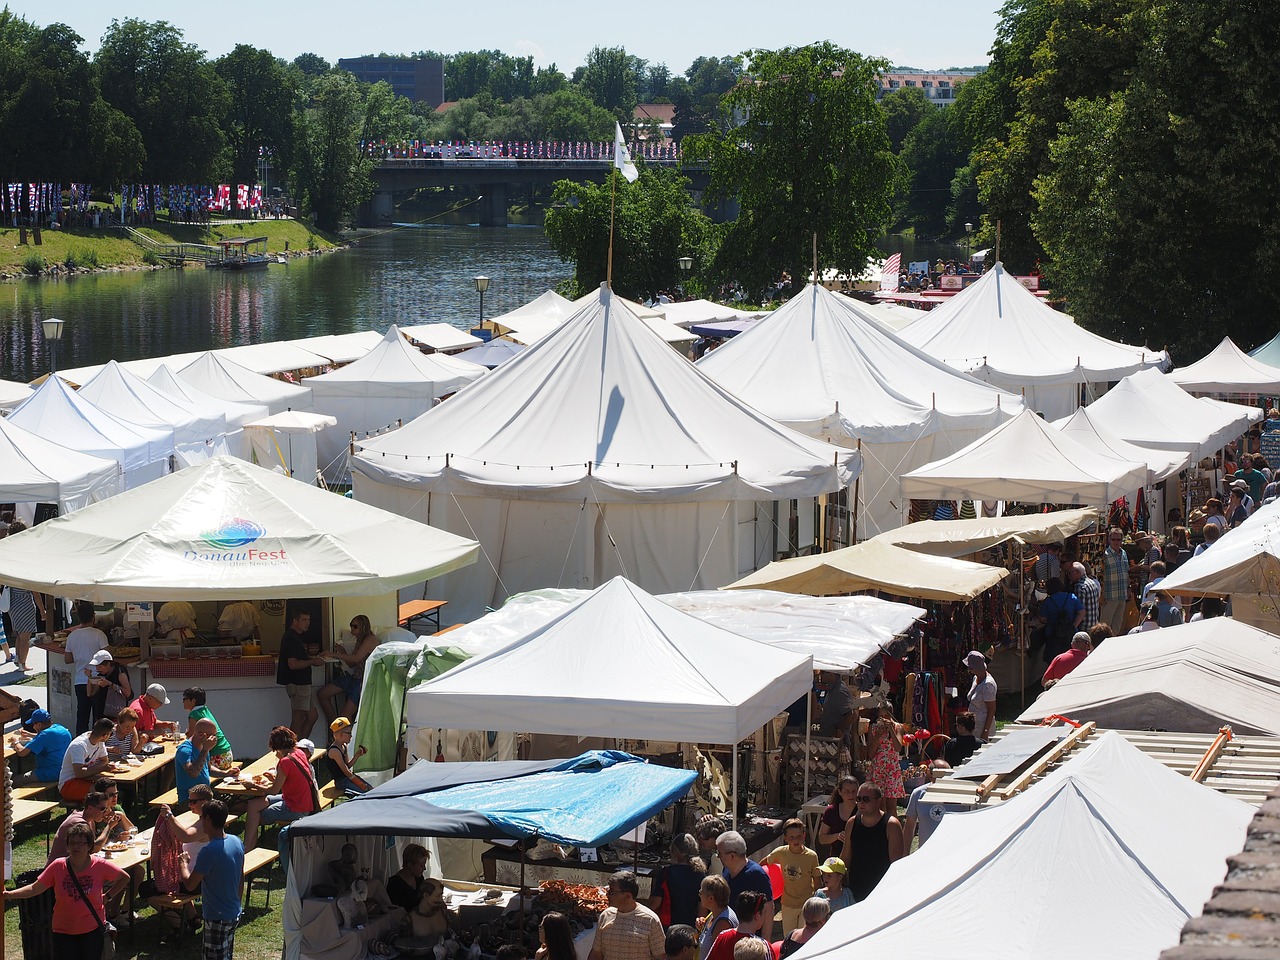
point(77, 922)
point(293, 794)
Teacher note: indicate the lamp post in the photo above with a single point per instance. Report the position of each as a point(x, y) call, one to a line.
point(52, 334)
point(686, 266)
point(968, 239)
point(482, 284)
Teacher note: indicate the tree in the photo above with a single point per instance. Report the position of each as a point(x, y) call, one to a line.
point(932, 153)
point(697, 95)
point(655, 224)
point(312, 64)
point(609, 77)
point(330, 168)
point(170, 92)
point(904, 108)
point(808, 155)
point(259, 109)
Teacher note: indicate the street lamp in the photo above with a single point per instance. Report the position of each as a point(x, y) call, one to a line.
point(52, 334)
point(482, 284)
point(968, 239)
point(686, 265)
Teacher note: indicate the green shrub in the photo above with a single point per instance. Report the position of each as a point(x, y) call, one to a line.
point(88, 258)
point(34, 264)
point(151, 258)
point(70, 260)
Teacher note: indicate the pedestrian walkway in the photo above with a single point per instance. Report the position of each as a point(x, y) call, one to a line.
point(10, 677)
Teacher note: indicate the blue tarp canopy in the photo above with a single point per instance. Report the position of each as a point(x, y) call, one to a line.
point(587, 801)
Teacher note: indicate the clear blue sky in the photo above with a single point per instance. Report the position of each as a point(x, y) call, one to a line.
point(930, 34)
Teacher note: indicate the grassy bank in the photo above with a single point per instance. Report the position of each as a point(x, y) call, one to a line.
point(84, 249)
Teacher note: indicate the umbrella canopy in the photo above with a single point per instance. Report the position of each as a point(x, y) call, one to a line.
point(1092, 431)
point(227, 528)
point(876, 565)
point(1228, 369)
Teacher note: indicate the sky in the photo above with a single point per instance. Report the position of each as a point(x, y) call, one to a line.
point(929, 34)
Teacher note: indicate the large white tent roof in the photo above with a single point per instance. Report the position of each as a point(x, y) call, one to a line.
point(216, 375)
point(237, 413)
point(36, 470)
point(603, 409)
point(340, 347)
point(1149, 409)
point(960, 538)
point(1144, 844)
point(536, 319)
point(1029, 460)
point(225, 528)
point(821, 366)
point(441, 336)
point(273, 357)
point(54, 410)
point(13, 393)
point(998, 330)
point(127, 396)
point(1093, 432)
point(1245, 560)
point(1191, 678)
point(394, 368)
point(620, 663)
point(1228, 369)
point(686, 313)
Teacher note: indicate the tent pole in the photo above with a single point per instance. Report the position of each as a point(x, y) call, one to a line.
point(808, 740)
point(1022, 617)
point(523, 858)
point(857, 489)
point(733, 758)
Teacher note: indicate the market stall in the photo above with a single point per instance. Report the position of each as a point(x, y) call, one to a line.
point(35, 470)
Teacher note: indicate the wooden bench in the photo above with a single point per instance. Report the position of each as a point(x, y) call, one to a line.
point(255, 860)
point(329, 795)
point(421, 609)
point(36, 791)
point(172, 906)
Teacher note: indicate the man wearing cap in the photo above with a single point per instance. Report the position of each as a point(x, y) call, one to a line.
point(47, 742)
point(149, 726)
point(1064, 663)
point(1088, 591)
point(109, 685)
point(1115, 581)
point(82, 643)
point(982, 694)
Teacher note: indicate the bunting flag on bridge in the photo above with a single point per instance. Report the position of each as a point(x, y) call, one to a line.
point(622, 156)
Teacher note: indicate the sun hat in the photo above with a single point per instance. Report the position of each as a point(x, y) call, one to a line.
point(102, 656)
point(973, 659)
point(158, 691)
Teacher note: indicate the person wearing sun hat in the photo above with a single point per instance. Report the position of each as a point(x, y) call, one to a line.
point(149, 726)
point(109, 685)
point(347, 779)
point(982, 694)
point(833, 890)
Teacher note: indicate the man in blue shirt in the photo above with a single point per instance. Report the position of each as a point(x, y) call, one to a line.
point(217, 873)
point(48, 746)
point(191, 762)
point(743, 874)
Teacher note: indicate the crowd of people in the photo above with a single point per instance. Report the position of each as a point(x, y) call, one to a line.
point(383, 150)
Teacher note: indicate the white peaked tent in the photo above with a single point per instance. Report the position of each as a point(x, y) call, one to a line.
point(686, 313)
point(227, 528)
point(822, 367)
point(536, 319)
point(1029, 460)
point(599, 451)
point(1143, 844)
point(1000, 332)
point(687, 681)
point(228, 380)
point(36, 470)
point(393, 381)
point(1092, 431)
point(197, 435)
point(493, 354)
point(12, 393)
point(1191, 678)
point(1150, 410)
point(1228, 370)
point(54, 410)
point(207, 405)
point(287, 442)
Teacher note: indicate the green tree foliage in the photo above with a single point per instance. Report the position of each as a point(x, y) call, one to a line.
point(656, 223)
point(808, 154)
point(934, 150)
point(697, 95)
point(259, 109)
point(330, 169)
point(903, 109)
point(312, 64)
point(610, 77)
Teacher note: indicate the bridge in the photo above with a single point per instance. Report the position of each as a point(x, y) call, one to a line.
point(491, 176)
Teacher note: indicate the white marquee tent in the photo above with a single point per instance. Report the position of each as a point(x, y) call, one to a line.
point(1029, 460)
point(686, 313)
point(12, 393)
point(822, 367)
point(1150, 410)
point(494, 353)
point(999, 331)
point(1191, 678)
point(1093, 432)
point(289, 441)
point(1228, 370)
point(599, 451)
point(36, 470)
point(197, 435)
point(226, 379)
point(1144, 845)
point(54, 410)
point(393, 381)
point(207, 406)
point(529, 323)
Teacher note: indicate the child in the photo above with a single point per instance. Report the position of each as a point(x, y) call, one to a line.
point(348, 780)
point(833, 873)
point(800, 873)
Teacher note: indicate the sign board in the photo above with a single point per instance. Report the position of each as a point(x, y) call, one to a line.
point(1031, 283)
point(139, 612)
point(1269, 446)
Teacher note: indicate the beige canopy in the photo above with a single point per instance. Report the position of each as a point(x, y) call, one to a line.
point(876, 565)
point(959, 538)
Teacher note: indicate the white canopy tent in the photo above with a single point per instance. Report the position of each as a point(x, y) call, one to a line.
point(876, 565)
point(197, 435)
point(441, 336)
point(686, 313)
point(1145, 844)
point(340, 347)
point(55, 410)
point(288, 442)
point(688, 681)
point(822, 367)
point(227, 528)
point(237, 414)
point(1191, 678)
point(1268, 353)
point(394, 381)
point(273, 357)
point(216, 375)
point(961, 538)
point(597, 452)
point(1091, 430)
point(1027, 460)
point(536, 319)
point(1000, 332)
point(1228, 370)
point(494, 353)
point(36, 470)
point(1150, 410)
point(13, 393)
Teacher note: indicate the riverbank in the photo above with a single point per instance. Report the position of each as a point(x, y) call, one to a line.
point(86, 250)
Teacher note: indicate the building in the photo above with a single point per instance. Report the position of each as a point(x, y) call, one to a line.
point(939, 87)
point(647, 115)
point(418, 78)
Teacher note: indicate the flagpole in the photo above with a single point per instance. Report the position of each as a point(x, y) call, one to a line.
point(613, 195)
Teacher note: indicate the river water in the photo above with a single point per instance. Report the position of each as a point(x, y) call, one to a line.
point(404, 276)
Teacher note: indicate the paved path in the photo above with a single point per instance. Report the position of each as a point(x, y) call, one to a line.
point(26, 691)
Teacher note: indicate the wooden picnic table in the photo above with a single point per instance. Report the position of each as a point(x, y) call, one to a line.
point(241, 787)
point(24, 810)
point(421, 609)
point(135, 776)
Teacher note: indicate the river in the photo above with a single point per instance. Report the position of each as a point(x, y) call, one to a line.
point(404, 276)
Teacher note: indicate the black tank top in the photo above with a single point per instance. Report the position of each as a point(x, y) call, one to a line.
point(868, 856)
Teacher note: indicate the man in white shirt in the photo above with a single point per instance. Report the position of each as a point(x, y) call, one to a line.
point(84, 761)
point(982, 695)
point(82, 643)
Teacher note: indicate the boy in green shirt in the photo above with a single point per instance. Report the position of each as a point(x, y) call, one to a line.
point(800, 874)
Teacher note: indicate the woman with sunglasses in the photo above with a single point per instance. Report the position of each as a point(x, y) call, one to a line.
point(872, 841)
point(349, 684)
point(750, 910)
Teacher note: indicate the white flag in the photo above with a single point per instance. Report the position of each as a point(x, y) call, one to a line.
point(622, 156)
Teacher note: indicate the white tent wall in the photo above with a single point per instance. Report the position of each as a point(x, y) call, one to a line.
point(360, 415)
point(291, 451)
